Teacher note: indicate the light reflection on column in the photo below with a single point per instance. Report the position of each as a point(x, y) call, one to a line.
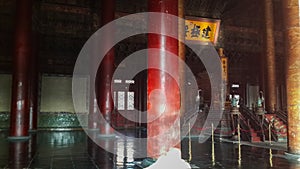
point(105, 159)
point(99, 155)
point(32, 146)
point(125, 153)
point(21, 153)
point(18, 154)
point(92, 148)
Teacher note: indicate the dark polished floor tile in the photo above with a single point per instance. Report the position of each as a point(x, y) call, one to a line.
point(72, 150)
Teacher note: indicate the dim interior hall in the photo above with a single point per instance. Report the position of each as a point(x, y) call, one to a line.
point(149, 84)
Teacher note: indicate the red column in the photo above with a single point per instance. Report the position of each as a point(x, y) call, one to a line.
point(33, 85)
point(105, 71)
point(291, 11)
point(270, 58)
point(163, 91)
point(19, 116)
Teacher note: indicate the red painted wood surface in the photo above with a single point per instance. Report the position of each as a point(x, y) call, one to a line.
point(105, 71)
point(163, 95)
point(19, 119)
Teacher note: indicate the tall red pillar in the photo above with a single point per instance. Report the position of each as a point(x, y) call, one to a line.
point(270, 58)
point(19, 116)
point(105, 71)
point(163, 90)
point(291, 11)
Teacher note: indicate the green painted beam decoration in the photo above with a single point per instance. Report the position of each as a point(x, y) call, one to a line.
point(58, 120)
point(51, 120)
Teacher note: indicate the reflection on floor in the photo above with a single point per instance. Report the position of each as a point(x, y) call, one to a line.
point(73, 149)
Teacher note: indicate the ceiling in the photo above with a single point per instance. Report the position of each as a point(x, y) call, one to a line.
point(63, 26)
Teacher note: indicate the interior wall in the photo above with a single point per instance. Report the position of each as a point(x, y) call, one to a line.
point(5, 92)
point(55, 102)
point(56, 94)
point(5, 97)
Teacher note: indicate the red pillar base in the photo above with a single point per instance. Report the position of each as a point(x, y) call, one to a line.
point(106, 136)
point(18, 138)
point(32, 130)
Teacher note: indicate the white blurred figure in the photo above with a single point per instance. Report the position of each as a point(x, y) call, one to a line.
point(171, 160)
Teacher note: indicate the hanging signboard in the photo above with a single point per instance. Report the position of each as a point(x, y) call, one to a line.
point(201, 30)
